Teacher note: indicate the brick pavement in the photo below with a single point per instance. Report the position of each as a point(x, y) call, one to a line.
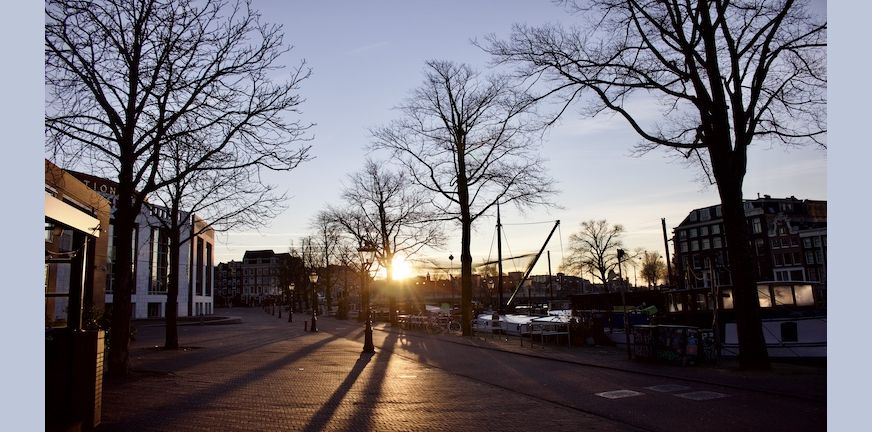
point(267, 374)
point(807, 381)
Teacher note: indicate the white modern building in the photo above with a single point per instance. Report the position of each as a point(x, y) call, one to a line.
point(151, 255)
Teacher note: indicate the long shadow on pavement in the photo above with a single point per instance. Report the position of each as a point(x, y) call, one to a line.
point(362, 419)
point(170, 413)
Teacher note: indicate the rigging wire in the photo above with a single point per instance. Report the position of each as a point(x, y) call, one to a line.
point(491, 250)
point(560, 233)
point(514, 262)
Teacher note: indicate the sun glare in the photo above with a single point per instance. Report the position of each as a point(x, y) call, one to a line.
point(402, 268)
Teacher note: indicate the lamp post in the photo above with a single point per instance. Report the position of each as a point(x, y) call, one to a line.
point(313, 277)
point(291, 302)
point(367, 257)
point(490, 289)
point(451, 276)
point(624, 301)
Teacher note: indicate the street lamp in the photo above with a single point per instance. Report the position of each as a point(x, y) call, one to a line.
point(313, 277)
point(367, 257)
point(451, 276)
point(624, 301)
point(291, 302)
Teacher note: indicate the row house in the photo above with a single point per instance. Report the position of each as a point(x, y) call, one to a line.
point(263, 275)
point(788, 238)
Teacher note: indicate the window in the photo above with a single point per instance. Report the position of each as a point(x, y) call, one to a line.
point(806, 243)
point(704, 214)
point(817, 242)
point(779, 261)
point(706, 244)
point(716, 229)
point(57, 295)
point(809, 257)
point(110, 259)
point(693, 232)
point(783, 295)
point(756, 225)
point(763, 296)
point(704, 231)
point(153, 310)
point(208, 269)
point(776, 243)
point(796, 275)
point(159, 261)
point(794, 241)
point(697, 262)
point(718, 211)
point(788, 259)
point(716, 242)
point(760, 244)
point(819, 256)
point(682, 234)
point(198, 278)
point(694, 245)
point(693, 216)
point(804, 295)
point(727, 298)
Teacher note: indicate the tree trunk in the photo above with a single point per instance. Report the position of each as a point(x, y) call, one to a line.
point(124, 283)
point(172, 309)
point(752, 345)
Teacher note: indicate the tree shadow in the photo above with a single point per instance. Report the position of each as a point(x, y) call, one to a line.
point(170, 412)
point(362, 418)
point(323, 416)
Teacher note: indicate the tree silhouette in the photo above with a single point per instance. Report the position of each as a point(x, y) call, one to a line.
point(123, 76)
point(594, 249)
point(469, 140)
point(384, 208)
point(725, 74)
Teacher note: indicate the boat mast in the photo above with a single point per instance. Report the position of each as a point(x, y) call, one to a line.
point(500, 309)
point(533, 263)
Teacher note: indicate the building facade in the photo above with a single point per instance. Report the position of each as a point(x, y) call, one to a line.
point(263, 275)
point(76, 228)
point(228, 283)
point(788, 238)
point(76, 223)
point(151, 259)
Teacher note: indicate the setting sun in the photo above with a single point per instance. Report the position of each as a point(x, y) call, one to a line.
point(402, 268)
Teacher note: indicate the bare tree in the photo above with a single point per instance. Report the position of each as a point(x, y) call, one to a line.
point(594, 249)
point(327, 241)
point(384, 208)
point(221, 199)
point(123, 75)
point(726, 73)
point(653, 268)
point(471, 141)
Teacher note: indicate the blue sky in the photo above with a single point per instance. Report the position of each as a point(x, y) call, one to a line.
point(367, 56)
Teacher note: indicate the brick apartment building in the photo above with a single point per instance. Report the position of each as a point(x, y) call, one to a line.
point(788, 236)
